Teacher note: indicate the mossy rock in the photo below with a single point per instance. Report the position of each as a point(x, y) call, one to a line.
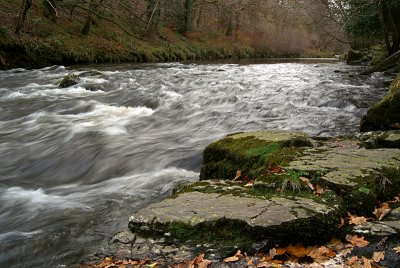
point(381, 139)
point(384, 115)
point(361, 176)
point(355, 57)
point(69, 80)
point(222, 220)
point(251, 153)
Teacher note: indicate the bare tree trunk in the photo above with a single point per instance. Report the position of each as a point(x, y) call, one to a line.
point(26, 5)
point(89, 19)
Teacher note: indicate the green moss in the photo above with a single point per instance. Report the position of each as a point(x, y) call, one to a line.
point(386, 113)
point(361, 201)
point(249, 154)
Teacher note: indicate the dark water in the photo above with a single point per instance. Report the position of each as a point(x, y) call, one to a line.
point(75, 164)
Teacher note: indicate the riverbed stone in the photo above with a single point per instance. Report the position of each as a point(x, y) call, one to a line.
point(69, 80)
point(384, 115)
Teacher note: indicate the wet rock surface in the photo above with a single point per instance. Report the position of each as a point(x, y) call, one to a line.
point(69, 80)
point(266, 201)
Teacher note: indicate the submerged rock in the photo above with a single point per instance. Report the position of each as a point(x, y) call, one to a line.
point(385, 114)
point(69, 80)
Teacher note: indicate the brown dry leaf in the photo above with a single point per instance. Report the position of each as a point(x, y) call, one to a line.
point(234, 258)
point(346, 251)
point(397, 249)
point(320, 254)
point(335, 244)
point(204, 264)
point(263, 264)
point(382, 211)
point(366, 262)
point(308, 182)
point(276, 169)
point(352, 260)
point(272, 253)
point(342, 223)
point(383, 240)
point(357, 241)
point(378, 256)
point(319, 190)
point(249, 184)
point(356, 220)
point(280, 251)
point(238, 174)
point(249, 262)
point(298, 250)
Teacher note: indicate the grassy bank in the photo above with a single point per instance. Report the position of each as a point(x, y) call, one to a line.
point(43, 41)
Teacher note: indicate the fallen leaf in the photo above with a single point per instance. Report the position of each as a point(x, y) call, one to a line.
point(308, 182)
point(321, 254)
point(356, 220)
point(280, 251)
point(397, 249)
point(382, 211)
point(357, 241)
point(234, 258)
point(366, 262)
point(346, 251)
point(342, 223)
point(298, 250)
point(152, 265)
point(276, 169)
point(250, 184)
point(272, 253)
point(335, 244)
point(383, 240)
point(238, 174)
point(352, 260)
point(378, 256)
point(319, 190)
point(249, 262)
point(204, 264)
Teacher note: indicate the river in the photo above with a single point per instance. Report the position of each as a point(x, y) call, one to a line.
point(76, 163)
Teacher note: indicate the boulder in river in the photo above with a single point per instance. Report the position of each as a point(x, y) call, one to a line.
point(267, 187)
point(69, 80)
point(385, 114)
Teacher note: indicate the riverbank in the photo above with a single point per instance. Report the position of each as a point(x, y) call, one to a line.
point(45, 41)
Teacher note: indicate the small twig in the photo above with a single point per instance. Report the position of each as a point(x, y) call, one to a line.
point(55, 10)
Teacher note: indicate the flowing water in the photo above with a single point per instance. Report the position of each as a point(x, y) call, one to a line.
point(76, 163)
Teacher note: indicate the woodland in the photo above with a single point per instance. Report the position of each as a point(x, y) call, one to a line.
point(42, 32)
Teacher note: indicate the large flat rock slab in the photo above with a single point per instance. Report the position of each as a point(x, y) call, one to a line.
point(237, 221)
point(347, 163)
point(195, 207)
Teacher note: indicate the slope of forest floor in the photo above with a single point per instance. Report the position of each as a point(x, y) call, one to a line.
point(43, 42)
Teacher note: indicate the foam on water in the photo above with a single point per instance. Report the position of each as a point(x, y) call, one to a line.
point(76, 163)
